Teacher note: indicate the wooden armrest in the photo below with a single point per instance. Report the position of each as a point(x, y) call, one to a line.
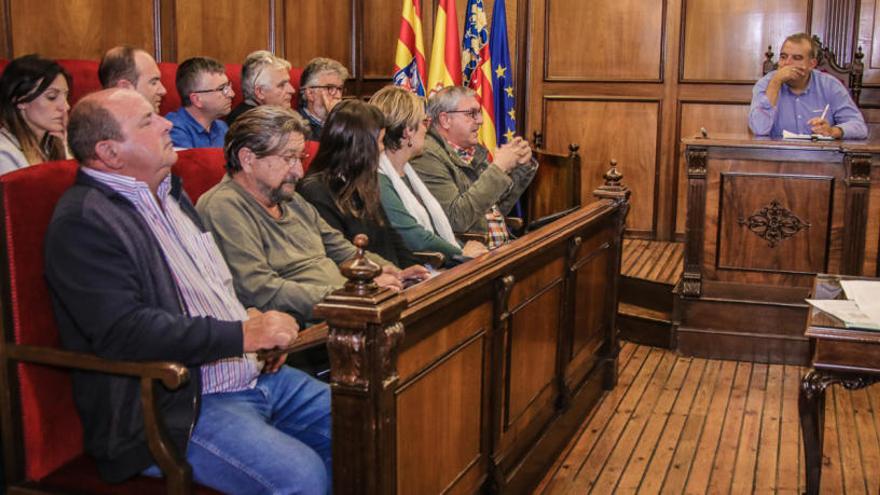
point(172, 374)
point(308, 338)
point(471, 236)
point(515, 225)
point(540, 222)
point(433, 258)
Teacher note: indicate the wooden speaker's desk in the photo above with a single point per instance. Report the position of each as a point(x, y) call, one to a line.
point(848, 356)
point(765, 216)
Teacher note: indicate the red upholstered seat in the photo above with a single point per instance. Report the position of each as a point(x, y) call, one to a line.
point(199, 169)
point(311, 150)
point(85, 77)
point(46, 437)
point(171, 100)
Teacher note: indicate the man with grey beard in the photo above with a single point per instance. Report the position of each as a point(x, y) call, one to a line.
point(282, 254)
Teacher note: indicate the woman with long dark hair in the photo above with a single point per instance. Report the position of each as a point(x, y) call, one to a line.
point(342, 181)
point(33, 112)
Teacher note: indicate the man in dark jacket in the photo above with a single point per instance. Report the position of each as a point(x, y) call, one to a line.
point(134, 277)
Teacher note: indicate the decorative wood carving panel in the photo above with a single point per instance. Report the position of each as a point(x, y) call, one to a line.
point(726, 41)
point(79, 28)
point(224, 29)
point(313, 29)
point(622, 129)
point(716, 118)
point(603, 40)
point(432, 459)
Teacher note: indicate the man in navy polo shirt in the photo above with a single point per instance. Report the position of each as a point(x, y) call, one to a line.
point(206, 95)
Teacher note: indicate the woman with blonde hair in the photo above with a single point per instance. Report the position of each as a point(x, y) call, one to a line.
point(411, 209)
point(33, 112)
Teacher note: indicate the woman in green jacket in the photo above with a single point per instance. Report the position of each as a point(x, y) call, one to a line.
point(409, 206)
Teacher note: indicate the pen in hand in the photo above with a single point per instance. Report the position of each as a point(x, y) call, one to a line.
point(824, 112)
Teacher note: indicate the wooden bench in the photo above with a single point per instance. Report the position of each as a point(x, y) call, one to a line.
point(476, 379)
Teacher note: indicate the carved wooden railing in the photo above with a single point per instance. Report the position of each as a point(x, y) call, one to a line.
point(476, 379)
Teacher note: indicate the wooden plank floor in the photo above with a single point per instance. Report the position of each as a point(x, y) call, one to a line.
point(688, 425)
point(657, 261)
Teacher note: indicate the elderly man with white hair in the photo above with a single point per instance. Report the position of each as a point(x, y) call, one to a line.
point(265, 80)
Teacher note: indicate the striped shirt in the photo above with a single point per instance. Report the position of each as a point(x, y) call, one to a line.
point(198, 268)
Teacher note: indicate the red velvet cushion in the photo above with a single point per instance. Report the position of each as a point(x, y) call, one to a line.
point(85, 77)
point(51, 429)
point(171, 100)
point(80, 476)
point(311, 150)
point(200, 169)
point(3, 63)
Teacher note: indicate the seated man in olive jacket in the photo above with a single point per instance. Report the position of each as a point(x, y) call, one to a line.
point(474, 192)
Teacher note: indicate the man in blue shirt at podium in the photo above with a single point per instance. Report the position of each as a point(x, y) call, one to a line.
point(798, 99)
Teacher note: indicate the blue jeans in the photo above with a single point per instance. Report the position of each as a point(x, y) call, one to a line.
point(272, 439)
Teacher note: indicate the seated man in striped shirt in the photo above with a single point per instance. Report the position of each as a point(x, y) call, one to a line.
point(134, 276)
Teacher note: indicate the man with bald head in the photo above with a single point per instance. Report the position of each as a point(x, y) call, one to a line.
point(134, 276)
point(132, 68)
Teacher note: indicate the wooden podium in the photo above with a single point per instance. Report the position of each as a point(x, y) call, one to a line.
point(764, 217)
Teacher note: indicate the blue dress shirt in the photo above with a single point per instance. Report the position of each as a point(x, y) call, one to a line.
point(792, 112)
point(188, 133)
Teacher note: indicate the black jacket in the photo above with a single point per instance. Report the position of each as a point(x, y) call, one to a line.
point(384, 240)
point(114, 296)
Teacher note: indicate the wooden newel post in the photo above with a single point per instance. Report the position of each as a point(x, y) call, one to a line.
point(613, 189)
point(365, 330)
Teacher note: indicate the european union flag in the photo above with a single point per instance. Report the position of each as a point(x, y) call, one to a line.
point(502, 76)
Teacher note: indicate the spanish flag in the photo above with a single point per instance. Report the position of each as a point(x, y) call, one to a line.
point(445, 52)
point(409, 61)
point(478, 68)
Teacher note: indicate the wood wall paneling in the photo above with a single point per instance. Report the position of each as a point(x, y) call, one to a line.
point(80, 29)
point(716, 118)
point(227, 30)
point(726, 41)
point(315, 29)
point(869, 40)
point(610, 128)
point(381, 27)
point(619, 40)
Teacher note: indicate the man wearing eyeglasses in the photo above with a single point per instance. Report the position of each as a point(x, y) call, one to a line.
point(322, 83)
point(474, 190)
point(281, 253)
point(206, 95)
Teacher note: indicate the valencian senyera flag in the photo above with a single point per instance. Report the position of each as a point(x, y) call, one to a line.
point(409, 60)
point(478, 68)
point(445, 67)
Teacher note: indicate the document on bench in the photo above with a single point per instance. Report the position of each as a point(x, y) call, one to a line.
point(794, 135)
point(846, 311)
point(866, 294)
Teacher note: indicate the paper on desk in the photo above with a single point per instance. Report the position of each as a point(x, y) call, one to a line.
point(846, 311)
point(794, 135)
point(866, 294)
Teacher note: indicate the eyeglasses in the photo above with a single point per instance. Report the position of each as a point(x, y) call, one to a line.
point(472, 113)
point(331, 88)
point(226, 89)
point(293, 158)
